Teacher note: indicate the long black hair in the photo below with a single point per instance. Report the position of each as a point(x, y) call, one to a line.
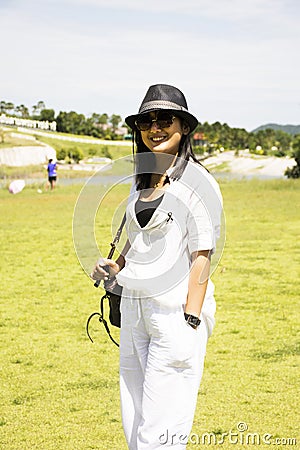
point(145, 166)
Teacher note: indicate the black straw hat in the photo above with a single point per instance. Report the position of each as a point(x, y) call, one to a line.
point(164, 96)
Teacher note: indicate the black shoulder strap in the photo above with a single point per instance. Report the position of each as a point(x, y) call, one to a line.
point(97, 283)
point(114, 243)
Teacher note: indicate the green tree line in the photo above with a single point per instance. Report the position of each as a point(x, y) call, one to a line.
point(98, 125)
point(221, 136)
point(210, 137)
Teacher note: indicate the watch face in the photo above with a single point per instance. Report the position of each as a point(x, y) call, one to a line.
point(195, 320)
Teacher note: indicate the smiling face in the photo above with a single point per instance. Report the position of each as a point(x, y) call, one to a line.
point(164, 140)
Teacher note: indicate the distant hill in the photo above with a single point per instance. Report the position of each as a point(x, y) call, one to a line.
point(290, 129)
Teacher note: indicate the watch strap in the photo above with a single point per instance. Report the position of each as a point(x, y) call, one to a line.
point(193, 321)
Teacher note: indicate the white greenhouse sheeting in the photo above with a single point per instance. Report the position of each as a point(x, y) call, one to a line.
point(16, 186)
point(26, 156)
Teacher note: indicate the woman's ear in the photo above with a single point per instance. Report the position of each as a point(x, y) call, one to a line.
point(185, 128)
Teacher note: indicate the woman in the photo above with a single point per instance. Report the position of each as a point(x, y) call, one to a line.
point(167, 310)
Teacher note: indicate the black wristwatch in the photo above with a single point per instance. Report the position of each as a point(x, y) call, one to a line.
point(193, 321)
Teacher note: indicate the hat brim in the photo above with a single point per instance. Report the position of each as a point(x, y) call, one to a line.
point(185, 115)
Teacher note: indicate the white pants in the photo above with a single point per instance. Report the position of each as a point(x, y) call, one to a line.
point(161, 365)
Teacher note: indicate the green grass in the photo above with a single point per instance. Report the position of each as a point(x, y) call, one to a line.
point(33, 171)
point(14, 128)
point(115, 151)
point(16, 142)
point(59, 391)
point(223, 167)
point(38, 173)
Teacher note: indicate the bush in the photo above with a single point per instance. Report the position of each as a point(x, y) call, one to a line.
point(75, 154)
point(95, 132)
point(106, 153)
point(293, 172)
point(199, 149)
point(259, 151)
point(61, 154)
point(279, 153)
point(92, 151)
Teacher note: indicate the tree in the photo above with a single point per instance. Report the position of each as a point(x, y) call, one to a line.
point(22, 111)
point(9, 107)
point(71, 122)
point(99, 118)
point(239, 138)
point(283, 141)
point(2, 106)
point(37, 109)
point(103, 118)
point(95, 118)
point(47, 114)
point(115, 120)
point(89, 127)
point(294, 172)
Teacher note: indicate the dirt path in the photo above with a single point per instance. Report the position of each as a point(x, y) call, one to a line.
point(248, 164)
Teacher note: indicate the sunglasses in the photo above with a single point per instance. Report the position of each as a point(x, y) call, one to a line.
point(163, 120)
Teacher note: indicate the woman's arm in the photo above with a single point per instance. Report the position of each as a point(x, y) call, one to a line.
point(121, 259)
point(198, 279)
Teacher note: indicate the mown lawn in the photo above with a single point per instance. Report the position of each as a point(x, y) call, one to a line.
point(59, 391)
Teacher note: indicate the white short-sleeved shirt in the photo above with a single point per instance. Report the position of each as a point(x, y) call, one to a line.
point(188, 219)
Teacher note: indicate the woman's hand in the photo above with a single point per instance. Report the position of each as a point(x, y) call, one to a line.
point(104, 269)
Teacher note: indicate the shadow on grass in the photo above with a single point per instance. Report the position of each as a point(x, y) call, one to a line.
point(280, 353)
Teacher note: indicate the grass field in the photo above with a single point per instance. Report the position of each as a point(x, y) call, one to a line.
point(113, 151)
point(59, 391)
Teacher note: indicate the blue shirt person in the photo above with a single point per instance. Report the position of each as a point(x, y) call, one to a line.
point(52, 173)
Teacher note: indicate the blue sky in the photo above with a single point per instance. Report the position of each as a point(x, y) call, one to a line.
point(236, 61)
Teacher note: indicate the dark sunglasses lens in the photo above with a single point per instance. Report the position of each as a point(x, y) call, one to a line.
point(143, 123)
point(163, 120)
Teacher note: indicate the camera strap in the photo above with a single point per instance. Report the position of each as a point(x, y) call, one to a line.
point(101, 320)
point(106, 296)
